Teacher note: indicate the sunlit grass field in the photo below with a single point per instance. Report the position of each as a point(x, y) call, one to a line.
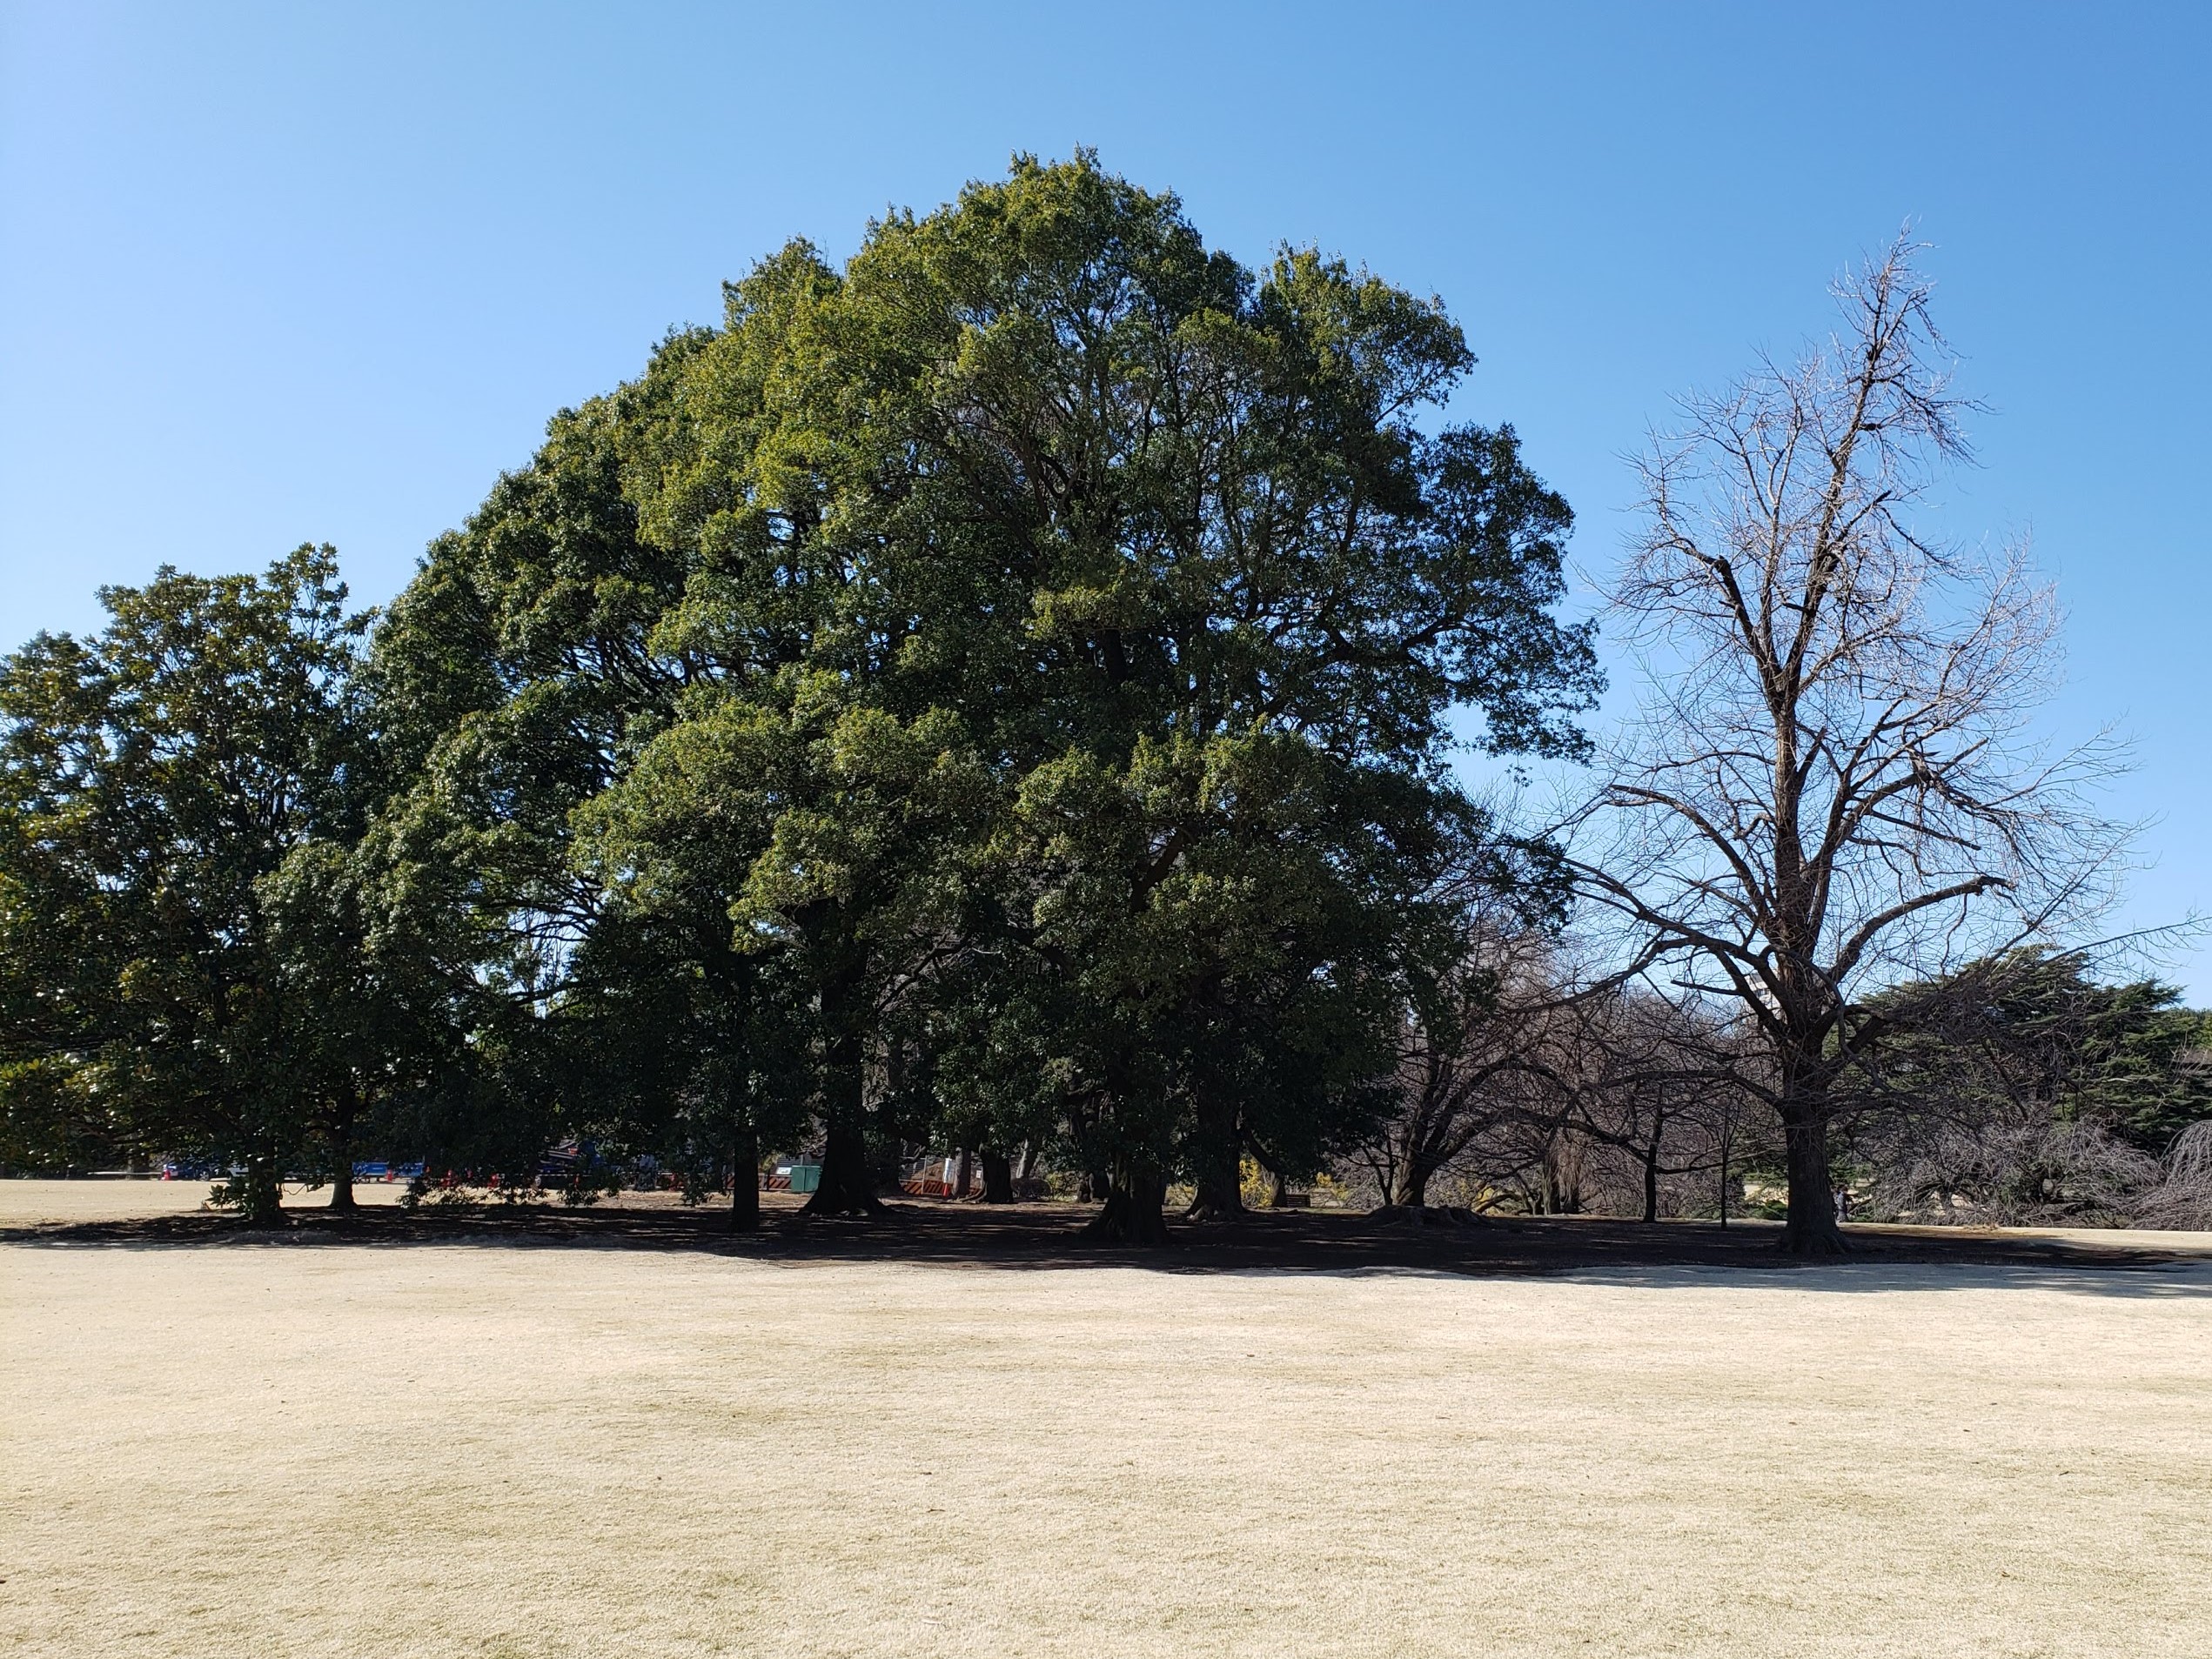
point(536, 1450)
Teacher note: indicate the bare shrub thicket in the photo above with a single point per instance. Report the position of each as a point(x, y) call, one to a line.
point(2019, 1167)
point(1463, 1082)
point(1533, 1081)
point(2183, 1196)
point(1648, 1088)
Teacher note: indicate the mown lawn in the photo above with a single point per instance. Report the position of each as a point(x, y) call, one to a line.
point(520, 1448)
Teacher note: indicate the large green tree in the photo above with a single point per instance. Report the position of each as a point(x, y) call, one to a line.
point(512, 682)
point(166, 786)
point(1173, 542)
point(1038, 638)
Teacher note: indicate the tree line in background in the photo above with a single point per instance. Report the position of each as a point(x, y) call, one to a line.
point(1002, 694)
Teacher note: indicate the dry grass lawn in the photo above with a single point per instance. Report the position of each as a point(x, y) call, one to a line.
point(276, 1449)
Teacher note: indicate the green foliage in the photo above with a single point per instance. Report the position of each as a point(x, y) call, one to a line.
point(1145, 559)
point(160, 782)
point(998, 692)
point(2035, 1028)
point(2026, 1089)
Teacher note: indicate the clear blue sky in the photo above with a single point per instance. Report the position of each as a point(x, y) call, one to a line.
point(282, 273)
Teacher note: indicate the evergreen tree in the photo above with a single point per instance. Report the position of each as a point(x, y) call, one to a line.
point(165, 784)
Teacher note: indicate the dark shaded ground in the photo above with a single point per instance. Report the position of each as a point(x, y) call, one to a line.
point(1047, 1235)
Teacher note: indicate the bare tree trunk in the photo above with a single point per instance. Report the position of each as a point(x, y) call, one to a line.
point(1135, 1209)
point(848, 1184)
point(1651, 1183)
point(1220, 1186)
point(1810, 1229)
point(342, 1160)
point(1410, 1184)
point(998, 1177)
point(745, 1180)
point(963, 1180)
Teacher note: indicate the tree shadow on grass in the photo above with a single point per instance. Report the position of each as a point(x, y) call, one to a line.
point(2177, 1278)
point(1675, 1253)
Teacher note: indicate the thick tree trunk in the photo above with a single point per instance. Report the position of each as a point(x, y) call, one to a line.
point(963, 1180)
point(998, 1177)
point(1219, 1197)
point(745, 1181)
point(1650, 1185)
point(848, 1184)
point(1135, 1209)
point(1811, 1229)
point(342, 1163)
point(1409, 1185)
point(1217, 1168)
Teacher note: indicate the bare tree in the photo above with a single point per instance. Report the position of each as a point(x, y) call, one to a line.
point(1831, 783)
point(1464, 1058)
point(1651, 1078)
point(1533, 1075)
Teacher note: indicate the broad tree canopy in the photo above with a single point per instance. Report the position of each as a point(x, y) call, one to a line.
point(1042, 597)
